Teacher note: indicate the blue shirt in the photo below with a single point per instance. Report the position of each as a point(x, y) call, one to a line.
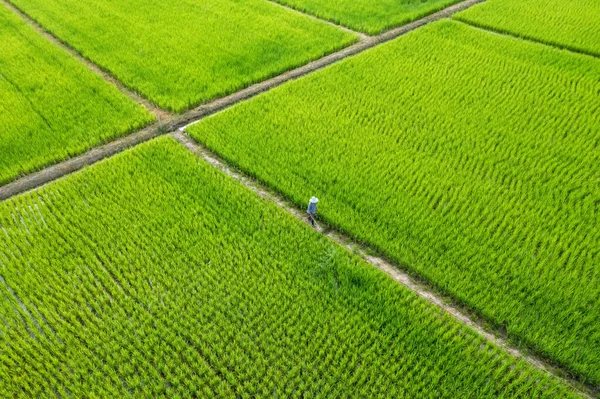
point(312, 208)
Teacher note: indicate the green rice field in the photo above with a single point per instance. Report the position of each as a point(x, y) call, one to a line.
point(571, 24)
point(482, 175)
point(52, 107)
point(183, 53)
point(157, 159)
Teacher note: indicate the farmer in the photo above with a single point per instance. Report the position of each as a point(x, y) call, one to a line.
point(312, 210)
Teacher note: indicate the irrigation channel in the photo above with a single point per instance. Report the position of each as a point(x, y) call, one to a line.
point(175, 124)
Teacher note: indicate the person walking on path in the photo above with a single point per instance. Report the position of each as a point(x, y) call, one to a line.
point(312, 210)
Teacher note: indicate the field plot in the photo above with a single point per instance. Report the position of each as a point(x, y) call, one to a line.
point(51, 107)
point(179, 54)
point(469, 157)
point(152, 273)
point(572, 24)
point(369, 16)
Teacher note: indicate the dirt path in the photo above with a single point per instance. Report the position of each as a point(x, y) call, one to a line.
point(394, 272)
point(45, 176)
point(169, 122)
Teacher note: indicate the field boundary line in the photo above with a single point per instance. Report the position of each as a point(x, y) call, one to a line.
point(361, 35)
point(173, 122)
point(396, 273)
point(96, 69)
point(527, 38)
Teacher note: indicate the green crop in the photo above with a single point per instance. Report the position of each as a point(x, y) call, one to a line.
point(369, 16)
point(572, 24)
point(182, 53)
point(52, 107)
point(152, 274)
point(466, 156)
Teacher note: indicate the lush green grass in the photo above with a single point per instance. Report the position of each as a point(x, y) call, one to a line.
point(369, 16)
point(52, 107)
point(572, 24)
point(182, 53)
point(153, 274)
point(469, 157)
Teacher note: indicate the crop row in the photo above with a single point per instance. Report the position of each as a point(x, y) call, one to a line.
point(182, 53)
point(52, 107)
point(153, 274)
point(571, 24)
point(465, 156)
